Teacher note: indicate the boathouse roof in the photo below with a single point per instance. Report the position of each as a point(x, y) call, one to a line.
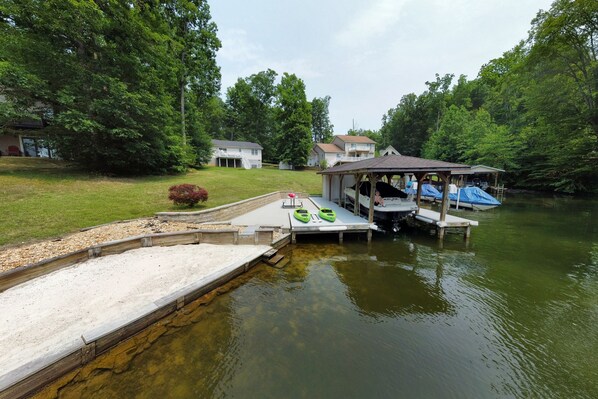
point(396, 164)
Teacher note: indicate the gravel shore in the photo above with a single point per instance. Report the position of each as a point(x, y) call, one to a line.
point(12, 257)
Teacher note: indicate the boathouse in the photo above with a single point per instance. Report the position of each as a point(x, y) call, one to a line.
point(371, 171)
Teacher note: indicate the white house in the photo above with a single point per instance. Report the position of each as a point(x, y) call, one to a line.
point(236, 154)
point(342, 149)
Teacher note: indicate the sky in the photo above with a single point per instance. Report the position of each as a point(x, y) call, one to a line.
point(366, 54)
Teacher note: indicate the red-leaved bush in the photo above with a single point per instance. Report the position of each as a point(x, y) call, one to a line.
point(187, 194)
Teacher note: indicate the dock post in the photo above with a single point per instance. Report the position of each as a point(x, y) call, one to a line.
point(467, 232)
point(441, 233)
point(340, 237)
point(293, 238)
point(369, 235)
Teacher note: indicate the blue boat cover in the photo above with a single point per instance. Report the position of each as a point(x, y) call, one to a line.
point(473, 195)
point(428, 190)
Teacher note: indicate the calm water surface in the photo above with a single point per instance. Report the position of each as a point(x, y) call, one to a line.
point(512, 314)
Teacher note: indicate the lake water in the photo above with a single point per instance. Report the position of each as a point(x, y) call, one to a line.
point(513, 313)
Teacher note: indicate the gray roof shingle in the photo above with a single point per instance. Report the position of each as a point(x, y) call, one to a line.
point(235, 144)
point(395, 163)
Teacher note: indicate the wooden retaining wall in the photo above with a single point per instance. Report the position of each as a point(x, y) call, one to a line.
point(228, 211)
point(19, 275)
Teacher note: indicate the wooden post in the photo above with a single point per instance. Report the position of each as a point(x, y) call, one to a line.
point(420, 179)
point(357, 186)
point(445, 195)
point(293, 238)
point(341, 192)
point(369, 234)
point(373, 180)
point(330, 187)
point(340, 237)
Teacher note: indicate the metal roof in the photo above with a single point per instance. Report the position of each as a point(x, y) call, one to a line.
point(396, 164)
point(235, 144)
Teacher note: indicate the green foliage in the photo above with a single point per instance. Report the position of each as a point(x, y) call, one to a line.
point(322, 129)
point(533, 111)
point(294, 119)
point(250, 112)
point(108, 76)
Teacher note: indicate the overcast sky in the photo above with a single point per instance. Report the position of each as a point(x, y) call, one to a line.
point(366, 54)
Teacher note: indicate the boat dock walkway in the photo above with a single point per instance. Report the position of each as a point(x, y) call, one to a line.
point(275, 215)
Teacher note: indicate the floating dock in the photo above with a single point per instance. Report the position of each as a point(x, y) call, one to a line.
point(279, 214)
point(430, 217)
point(345, 220)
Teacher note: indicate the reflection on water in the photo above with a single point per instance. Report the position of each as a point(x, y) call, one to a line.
point(512, 314)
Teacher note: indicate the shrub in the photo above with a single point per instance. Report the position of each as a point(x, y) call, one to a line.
point(187, 194)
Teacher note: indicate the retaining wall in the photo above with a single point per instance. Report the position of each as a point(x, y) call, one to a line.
point(228, 211)
point(21, 274)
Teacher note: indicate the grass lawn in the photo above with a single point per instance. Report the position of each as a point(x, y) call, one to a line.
point(42, 198)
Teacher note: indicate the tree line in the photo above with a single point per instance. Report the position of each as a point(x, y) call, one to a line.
point(533, 111)
point(133, 86)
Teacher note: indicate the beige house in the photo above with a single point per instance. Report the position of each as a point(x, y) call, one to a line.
point(342, 149)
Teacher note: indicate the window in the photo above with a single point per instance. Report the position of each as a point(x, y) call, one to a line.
point(222, 149)
point(353, 146)
point(254, 151)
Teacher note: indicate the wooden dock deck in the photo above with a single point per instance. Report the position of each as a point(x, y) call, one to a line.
point(431, 217)
point(345, 220)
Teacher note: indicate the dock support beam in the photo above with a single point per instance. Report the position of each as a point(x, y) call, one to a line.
point(293, 238)
point(420, 178)
point(356, 205)
point(340, 237)
point(373, 181)
point(441, 233)
point(370, 235)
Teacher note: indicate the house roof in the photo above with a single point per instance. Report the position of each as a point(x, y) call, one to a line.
point(328, 147)
point(355, 139)
point(485, 169)
point(395, 164)
point(235, 144)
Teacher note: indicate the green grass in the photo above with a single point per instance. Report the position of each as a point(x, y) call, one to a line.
point(42, 198)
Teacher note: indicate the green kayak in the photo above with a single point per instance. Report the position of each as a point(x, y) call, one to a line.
point(302, 215)
point(327, 214)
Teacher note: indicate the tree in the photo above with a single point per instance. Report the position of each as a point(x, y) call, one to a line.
point(322, 129)
point(105, 74)
point(194, 44)
point(294, 121)
point(250, 111)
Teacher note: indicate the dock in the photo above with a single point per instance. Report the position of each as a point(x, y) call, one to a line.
point(345, 221)
point(430, 217)
point(278, 214)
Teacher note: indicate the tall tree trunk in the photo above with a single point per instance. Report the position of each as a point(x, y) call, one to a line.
point(184, 133)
